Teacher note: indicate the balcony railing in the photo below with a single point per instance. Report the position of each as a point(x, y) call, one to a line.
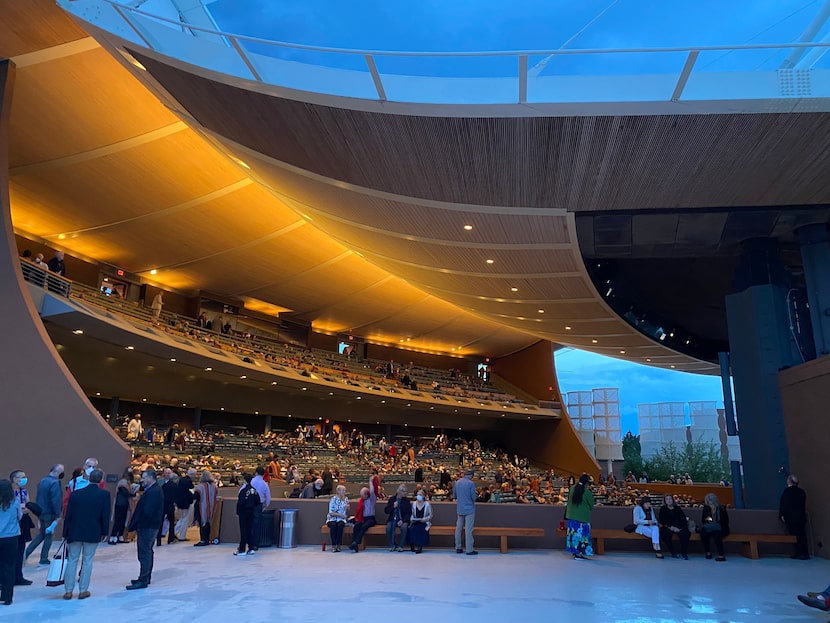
point(45, 279)
point(791, 71)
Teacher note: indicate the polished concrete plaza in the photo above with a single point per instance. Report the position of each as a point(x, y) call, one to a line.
point(305, 585)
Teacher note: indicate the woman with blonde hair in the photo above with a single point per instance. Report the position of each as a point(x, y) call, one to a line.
point(337, 516)
point(646, 521)
point(205, 505)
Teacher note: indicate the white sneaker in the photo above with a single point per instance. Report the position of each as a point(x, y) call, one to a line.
point(251, 552)
point(238, 553)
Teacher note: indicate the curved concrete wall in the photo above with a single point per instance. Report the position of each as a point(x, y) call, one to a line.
point(46, 417)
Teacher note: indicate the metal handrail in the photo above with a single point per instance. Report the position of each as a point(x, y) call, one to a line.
point(32, 273)
point(484, 53)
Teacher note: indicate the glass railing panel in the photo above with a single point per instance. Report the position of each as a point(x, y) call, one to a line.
point(203, 49)
point(331, 73)
point(449, 79)
point(603, 77)
point(758, 74)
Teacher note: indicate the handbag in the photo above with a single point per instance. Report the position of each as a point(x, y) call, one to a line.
point(632, 527)
point(712, 526)
point(57, 566)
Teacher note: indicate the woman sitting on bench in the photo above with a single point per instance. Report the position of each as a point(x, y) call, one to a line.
point(646, 523)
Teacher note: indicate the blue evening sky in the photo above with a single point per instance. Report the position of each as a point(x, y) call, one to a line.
point(579, 370)
point(527, 24)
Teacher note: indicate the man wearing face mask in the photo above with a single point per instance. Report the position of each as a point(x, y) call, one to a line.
point(21, 494)
point(90, 464)
point(49, 499)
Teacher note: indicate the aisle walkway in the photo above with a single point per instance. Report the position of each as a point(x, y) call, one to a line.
point(207, 585)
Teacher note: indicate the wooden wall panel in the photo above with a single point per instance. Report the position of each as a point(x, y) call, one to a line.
point(578, 163)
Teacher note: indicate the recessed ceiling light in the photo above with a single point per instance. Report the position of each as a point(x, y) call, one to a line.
point(331, 393)
point(242, 163)
point(256, 412)
point(97, 393)
point(672, 366)
point(432, 407)
point(490, 261)
point(221, 408)
point(406, 424)
point(408, 404)
point(130, 347)
point(647, 359)
point(184, 404)
point(593, 341)
point(541, 311)
point(305, 389)
point(567, 328)
point(383, 402)
point(273, 382)
point(514, 289)
point(154, 272)
point(208, 369)
point(359, 397)
point(143, 400)
point(172, 359)
point(244, 376)
point(78, 332)
point(468, 227)
point(622, 352)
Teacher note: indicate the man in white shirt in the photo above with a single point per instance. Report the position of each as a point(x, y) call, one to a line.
point(264, 491)
point(134, 427)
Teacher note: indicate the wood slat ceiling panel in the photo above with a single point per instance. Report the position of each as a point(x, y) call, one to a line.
point(93, 192)
point(459, 258)
point(581, 163)
point(62, 108)
point(410, 217)
point(203, 229)
point(31, 25)
point(495, 286)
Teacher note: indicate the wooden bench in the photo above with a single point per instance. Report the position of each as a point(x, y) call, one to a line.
point(500, 531)
point(749, 541)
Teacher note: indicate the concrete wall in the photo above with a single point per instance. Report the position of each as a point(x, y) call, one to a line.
point(46, 417)
point(805, 397)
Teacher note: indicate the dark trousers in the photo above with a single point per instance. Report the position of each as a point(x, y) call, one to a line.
point(8, 559)
point(246, 528)
point(204, 532)
point(800, 534)
point(145, 538)
point(119, 521)
point(336, 531)
point(708, 537)
point(362, 528)
point(18, 563)
point(170, 516)
point(256, 528)
point(667, 536)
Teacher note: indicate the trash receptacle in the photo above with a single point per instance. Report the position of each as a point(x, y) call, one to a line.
point(266, 529)
point(288, 528)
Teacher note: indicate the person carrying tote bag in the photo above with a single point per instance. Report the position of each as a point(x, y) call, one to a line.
point(57, 567)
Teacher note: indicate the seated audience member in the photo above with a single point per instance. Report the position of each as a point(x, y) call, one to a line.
point(364, 517)
point(421, 523)
point(337, 516)
point(399, 512)
point(714, 526)
point(673, 522)
point(646, 523)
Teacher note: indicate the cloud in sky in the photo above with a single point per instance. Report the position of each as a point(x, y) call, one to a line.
point(582, 371)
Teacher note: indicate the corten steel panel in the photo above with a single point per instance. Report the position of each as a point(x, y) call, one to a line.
point(46, 417)
point(579, 163)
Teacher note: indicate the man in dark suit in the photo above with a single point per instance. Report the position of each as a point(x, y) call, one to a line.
point(86, 524)
point(145, 523)
point(793, 512)
point(169, 490)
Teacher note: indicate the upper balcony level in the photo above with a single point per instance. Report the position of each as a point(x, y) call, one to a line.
point(746, 77)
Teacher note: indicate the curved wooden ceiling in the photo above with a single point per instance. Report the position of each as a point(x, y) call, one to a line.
point(100, 167)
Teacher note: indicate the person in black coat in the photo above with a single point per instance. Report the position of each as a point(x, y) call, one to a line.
point(146, 522)
point(673, 522)
point(398, 516)
point(170, 491)
point(714, 526)
point(184, 504)
point(793, 512)
point(86, 524)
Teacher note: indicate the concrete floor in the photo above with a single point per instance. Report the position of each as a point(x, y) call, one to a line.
point(306, 585)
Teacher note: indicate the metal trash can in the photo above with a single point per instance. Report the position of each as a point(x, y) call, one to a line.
point(266, 528)
point(288, 528)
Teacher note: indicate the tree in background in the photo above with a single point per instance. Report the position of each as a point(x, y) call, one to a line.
point(632, 454)
point(701, 460)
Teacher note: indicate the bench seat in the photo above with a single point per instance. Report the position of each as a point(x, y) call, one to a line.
point(499, 531)
point(749, 541)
